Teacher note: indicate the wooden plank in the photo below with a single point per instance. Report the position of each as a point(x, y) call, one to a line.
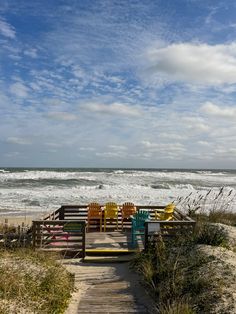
point(77, 247)
point(60, 240)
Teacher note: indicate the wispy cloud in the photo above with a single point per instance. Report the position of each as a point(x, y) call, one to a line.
point(19, 90)
point(112, 109)
point(219, 111)
point(31, 53)
point(130, 83)
point(63, 116)
point(18, 141)
point(6, 29)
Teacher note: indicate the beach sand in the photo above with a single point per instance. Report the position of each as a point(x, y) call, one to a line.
point(17, 220)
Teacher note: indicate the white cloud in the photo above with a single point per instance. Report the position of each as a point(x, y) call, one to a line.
point(17, 140)
point(51, 144)
point(217, 111)
point(118, 147)
point(19, 89)
point(89, 149)
point(113, 108)
point(111, 154)
point(204, 143)
point(164, 147)
point(12, 155)
point(31, 53)
point(54, 102)
point(196, 123)
point(64, 116)
point(172, 136)
point(6, 29)
point(194, 63)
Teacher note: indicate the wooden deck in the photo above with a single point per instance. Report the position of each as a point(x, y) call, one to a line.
point(66, 230)
point(116, 241)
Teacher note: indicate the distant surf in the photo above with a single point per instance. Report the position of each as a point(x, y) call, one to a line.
point(36, 191)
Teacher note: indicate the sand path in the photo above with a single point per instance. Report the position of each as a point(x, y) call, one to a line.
point(106, 288)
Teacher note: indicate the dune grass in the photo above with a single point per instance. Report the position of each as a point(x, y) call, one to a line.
point(33, 282)
point(214, 206)
point(179, 276)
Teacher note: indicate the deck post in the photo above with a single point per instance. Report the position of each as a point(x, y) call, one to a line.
point(62, 213)
point(146, 236)
point(34, 234)
point(84, 241)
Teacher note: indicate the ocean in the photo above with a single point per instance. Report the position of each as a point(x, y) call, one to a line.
point(37, 191)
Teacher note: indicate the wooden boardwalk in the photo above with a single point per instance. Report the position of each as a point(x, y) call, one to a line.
point(107, 288)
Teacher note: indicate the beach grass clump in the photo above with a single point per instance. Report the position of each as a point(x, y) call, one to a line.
point(176, 307)
point(7, 229)
point(216, 206)
point(179, 276)
point(211, 234)
point(222, 216)
point(33, 282)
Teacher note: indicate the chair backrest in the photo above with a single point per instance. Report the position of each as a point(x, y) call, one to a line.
point(140, 217)
point(169, 208)
point(128, 208)
point(94, 209)
point(111, 209)
point(168, 212)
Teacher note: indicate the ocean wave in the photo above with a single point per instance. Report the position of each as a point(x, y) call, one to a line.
point(4, 171)
point(185, 186)
point(10, 183)
point(30, 202)
point(161, 186)
point(46, 190)
point(118, 171)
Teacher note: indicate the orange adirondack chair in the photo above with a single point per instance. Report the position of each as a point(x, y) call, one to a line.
point(127, 210)
point(168, 213)
point(94, 213)
point(110, 212)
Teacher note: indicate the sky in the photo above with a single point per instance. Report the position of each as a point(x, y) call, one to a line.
point(118, 83)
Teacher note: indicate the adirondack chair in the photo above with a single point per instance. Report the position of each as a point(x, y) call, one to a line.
point(138, 221)
point(168, 213)
point(127, 210)
point(110, 212)
point(94, 213)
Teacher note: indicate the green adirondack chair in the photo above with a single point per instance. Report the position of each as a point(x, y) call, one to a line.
point(138, 221)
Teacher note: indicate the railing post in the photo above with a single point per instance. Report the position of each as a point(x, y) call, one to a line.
point(62, 213)
point(34, 234)
point(146, 236)
point(84, 241)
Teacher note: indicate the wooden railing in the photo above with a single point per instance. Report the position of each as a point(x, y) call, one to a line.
point(167, 229)
point(79, 212)
point(67, 235)
point(50, 232)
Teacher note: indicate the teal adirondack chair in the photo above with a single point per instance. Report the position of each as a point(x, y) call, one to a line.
point(138, 221)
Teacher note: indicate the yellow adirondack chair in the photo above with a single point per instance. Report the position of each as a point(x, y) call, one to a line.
point(110, 212)
point(127, 210)
point(94, 213)
point(168, 213)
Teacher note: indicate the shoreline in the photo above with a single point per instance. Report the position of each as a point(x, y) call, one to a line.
point(17, 220)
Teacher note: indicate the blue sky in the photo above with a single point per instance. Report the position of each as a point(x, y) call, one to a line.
point(118, 83)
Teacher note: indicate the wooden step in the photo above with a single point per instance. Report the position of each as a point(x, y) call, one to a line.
point(109, 259)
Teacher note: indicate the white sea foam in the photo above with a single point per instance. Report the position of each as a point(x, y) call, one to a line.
point(141, 187)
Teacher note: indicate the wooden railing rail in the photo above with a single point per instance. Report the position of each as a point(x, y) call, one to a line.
point(80, 211)
point(68, 235)
point(166, 229)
